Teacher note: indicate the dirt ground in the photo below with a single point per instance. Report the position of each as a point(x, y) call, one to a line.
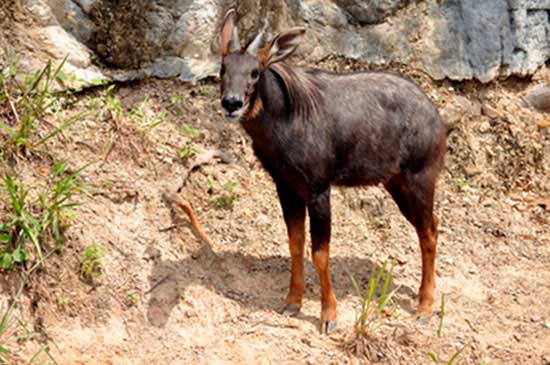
point(164, 296)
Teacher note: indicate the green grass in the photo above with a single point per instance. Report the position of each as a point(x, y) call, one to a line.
point(227, 195)
point(190, 148)
point(30, 225)
point(6, 322)
point(90, 263)
point(33, 212)
point(441, 316)
point(371, 308)
point(28, 99)
point(132, 297)
point(462, 184)
point(146, 121)
point(454, 358)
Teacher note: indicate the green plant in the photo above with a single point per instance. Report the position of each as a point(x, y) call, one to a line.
point(441, 316)
point(37, 221)
point(436, 359)
point(371, 309)
point(27, 99)
point(106, 106)
point(132, 297)
point(211, 184)
point(157, 120)
point(90, 263)
point(189, 132)
point(6, 321)
point(112, 104)
point(176, 99)
point(189, 150)
point(462, 184)
point(140, 115)
point(228, 196)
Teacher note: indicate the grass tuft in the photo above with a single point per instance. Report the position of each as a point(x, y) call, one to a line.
point(370, 311)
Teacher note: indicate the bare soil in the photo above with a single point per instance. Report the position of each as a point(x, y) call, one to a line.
point(166, 297)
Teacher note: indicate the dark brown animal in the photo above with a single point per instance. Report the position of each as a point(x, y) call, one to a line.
point(312, 129)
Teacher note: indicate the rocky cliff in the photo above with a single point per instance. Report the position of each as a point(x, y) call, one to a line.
point(456, 39)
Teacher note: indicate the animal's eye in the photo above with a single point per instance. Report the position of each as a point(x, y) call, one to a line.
point(254, 74)
point(222, 71)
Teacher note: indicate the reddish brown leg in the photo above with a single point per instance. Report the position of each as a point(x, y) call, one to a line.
point(328, 299)
point(296, 240)
point(414, 196)
point(428, 244)
point(319, 215)
point(294, 213)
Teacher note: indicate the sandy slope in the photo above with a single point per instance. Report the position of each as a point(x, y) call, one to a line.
point(165, 297)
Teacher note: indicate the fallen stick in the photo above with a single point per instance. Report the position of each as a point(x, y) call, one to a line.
point(176, 200)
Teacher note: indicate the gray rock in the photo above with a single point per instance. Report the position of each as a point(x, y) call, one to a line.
point(368, 12)
point(456, 39)
point(452, 115)
point(539, 97)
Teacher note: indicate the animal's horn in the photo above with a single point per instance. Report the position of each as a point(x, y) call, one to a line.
point(254, 46)
point(235, 43)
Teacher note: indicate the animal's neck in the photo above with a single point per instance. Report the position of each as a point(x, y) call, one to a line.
point(268, 105)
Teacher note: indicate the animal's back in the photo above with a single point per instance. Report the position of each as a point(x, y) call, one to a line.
point(381, 124)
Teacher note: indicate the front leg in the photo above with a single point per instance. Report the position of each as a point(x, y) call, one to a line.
point(319, 216)
point(294, 212)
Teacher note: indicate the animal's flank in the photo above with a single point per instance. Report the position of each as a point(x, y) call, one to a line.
point(303, 89)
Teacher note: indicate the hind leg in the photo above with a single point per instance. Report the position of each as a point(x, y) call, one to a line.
point(414, 195)
point(320, 220)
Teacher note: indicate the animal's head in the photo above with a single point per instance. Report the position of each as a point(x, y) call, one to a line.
point(242, 68)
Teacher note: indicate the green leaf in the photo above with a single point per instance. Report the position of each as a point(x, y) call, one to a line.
point(5, 238)
point(455, 356)
point(62, 76)
point(59, 168)
point(433, 356)
point(19, 255)
point(442, 315)
point(6, 261)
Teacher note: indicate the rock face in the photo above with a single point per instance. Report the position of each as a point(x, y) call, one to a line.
point(456, 39)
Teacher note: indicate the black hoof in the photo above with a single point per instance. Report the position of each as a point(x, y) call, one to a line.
point(423, 318)
point(327, 327)
point(290, 310)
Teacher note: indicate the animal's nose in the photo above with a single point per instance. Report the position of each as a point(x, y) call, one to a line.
point(231, 104)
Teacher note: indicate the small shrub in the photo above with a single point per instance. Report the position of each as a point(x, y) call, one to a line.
point(190, 149)
point(132, 297)
point(228, 196)
point(462, 184)
point(90, 263)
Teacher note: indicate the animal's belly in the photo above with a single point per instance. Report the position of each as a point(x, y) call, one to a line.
point(366, 175)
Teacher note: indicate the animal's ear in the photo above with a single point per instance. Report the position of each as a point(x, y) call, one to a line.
point(229, 35)
point(284, 45)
